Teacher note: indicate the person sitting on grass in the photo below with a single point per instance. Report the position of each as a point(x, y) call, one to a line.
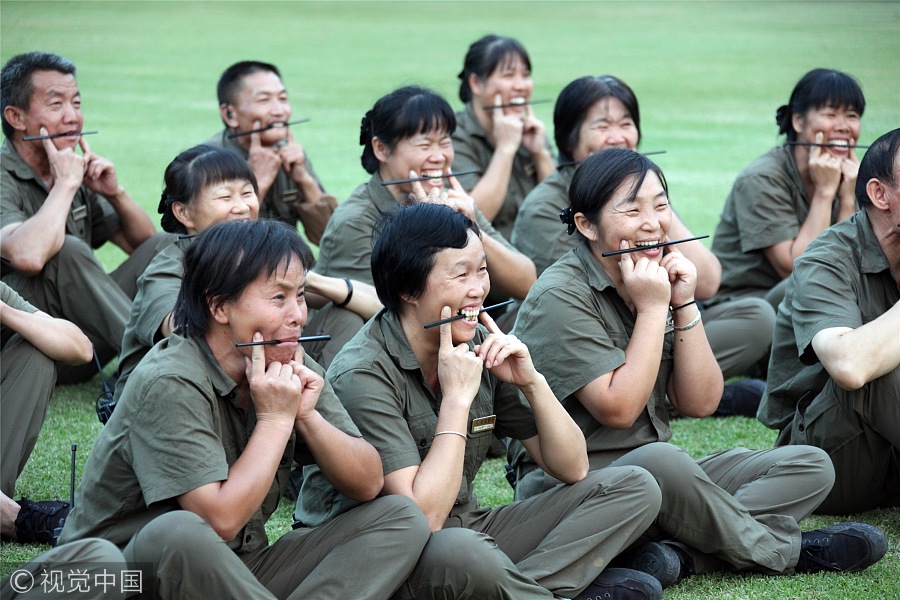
point(197, 453)
point(618, 334)
point(32, 341)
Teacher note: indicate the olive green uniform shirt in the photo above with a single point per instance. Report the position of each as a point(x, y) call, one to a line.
point(474, 151)
point(843, 279)
point(157, 291)
point(380, 383)
point(22, 193)
point(578, 328)
point(767, 205)
point(538, 233)
point(176, 428)
point(346, 248)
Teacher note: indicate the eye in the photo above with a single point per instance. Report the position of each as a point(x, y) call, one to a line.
point(482, 269)
point(662, 206)
point(278, 296)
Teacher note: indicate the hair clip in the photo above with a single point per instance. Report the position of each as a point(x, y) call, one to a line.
point(567, 217)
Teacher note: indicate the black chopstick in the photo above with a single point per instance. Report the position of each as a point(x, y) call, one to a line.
point(458, 317)
point(510, 104)
point(33, 138)
point(307, 338)
point(235, 134)
point(445, 175)
point(660, 245)
point(826, 145)
point(569, 163)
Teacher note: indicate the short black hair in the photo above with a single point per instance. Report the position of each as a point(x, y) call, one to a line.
point(407, 240)
point(483, 58)
point(225, 259)
point(195, 169)
point(230, 80)
point(577, 98)
point(817, 89)
point(16, 85)
point(878, 163)
point(600, 175)
point(403, 113)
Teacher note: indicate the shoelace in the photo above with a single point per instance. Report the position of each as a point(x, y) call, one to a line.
point(38, 517)
point(812, 547)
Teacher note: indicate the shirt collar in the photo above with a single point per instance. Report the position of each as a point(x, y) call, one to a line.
point(873, 258)
point(381, 197)
point(395, 341)
point(596, 276)
point(16, 165)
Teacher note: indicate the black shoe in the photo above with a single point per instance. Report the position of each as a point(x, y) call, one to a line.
point(845, 547)
point(741, 398)
point(663, 561)
point(622, 584)
point(40, 522)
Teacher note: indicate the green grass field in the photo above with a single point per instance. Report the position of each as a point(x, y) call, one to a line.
point(709, 76)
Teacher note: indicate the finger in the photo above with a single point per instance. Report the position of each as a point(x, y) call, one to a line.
point(446, 334)
point(489, 323)
point(816, 151)
point(290, 134)
point(49, 146)
point(626, 261)
point(453, 181)
point(254, 137)
point(83, 144)
point(418, 190)
point(258, 357)
point(853, 156)
point(497, 111)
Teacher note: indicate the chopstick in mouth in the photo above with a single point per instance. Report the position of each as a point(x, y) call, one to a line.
point(458, 317)
point(33, 138)
point(569, 163)
point(444, 176)
point(306, 338)
point(825, 145)
point(235, 134)
point(514, 104)
point(660, 245)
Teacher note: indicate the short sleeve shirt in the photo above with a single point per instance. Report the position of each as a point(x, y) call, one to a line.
point(12, 299)
point(22, 193)
point(843, 279)
point(346, 248)
point(280, 201)
point(177, 427)
point(767, 205)
point(577, 328)
point(474, 151)
point(157, 291)
point(378, 379)
point(538, 232)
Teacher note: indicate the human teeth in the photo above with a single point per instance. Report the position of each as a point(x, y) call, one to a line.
point(839, 143)
point(471, 314)
point(517, 100)
point(432, 174)
point(645, 243)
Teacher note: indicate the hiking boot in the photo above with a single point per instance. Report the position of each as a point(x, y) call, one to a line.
point(845, 547)
point(663, 561)
point(40, 522)
point(622, 584)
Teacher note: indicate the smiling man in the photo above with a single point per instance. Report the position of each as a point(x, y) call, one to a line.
point(194, 459)
point(57, 204)
point(252, 98)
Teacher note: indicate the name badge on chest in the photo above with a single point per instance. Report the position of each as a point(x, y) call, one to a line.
point(483, 424)
point(79, 213)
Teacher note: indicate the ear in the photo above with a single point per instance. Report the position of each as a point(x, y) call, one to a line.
point(797, 122)
point(218, 312)
point(382, 152)
point(15, 117)
point(227, 113)
point(875, 191)
point(475, 84)
point(183, 215)
point(586, 228)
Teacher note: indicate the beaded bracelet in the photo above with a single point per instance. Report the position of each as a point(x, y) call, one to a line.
point(349, 293)
point(448, 432)
point(685, 305)
point(690, 325)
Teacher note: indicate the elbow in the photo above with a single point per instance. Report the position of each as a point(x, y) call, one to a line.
point(620, 420)
point(366, 489)
point(436, 522)
point(29, 266)
point(225, 528)
point(848, 378)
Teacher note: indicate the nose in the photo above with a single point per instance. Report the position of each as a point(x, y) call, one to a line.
point(297, 312)
point(616, 138)
point(650, 220)
point(71, 114)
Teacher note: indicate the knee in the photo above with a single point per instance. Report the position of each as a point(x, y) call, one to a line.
point(807, 464)
point(406, 517)
point(461, 562)
point(74, 250)
point(173, 535)
point(633, 484)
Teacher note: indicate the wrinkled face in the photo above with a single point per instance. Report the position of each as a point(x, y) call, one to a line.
point(428, 154)
point(607, 124)
point(233, 200)
point(642, 221)
point(839, 126)
point(262, 98)
point(511, 79)
point(459, 279)
point(55, 105)
point(273, 305)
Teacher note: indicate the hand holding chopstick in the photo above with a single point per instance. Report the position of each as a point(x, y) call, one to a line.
point(307, 338)
point(458, 317)
point(660, 245)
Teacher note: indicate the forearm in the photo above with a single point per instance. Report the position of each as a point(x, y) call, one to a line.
point(817, 221)
point(351, 464)
point(696, 384)
point(34, 241)
point(847, 354)
point(563, 453)
point(490, 191)
point(512, 273)
point(709, 269)
point(364, 301)
point(136, 225)
point(543, 164)
point(57, 338)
